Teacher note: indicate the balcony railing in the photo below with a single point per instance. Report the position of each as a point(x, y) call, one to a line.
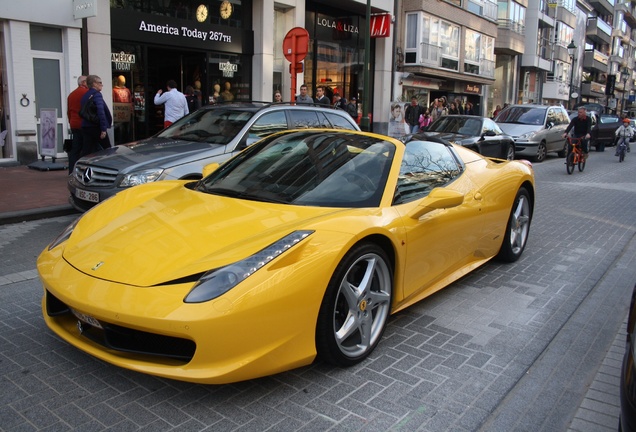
point(601, 25)
point(511, 25)
point(430, 55)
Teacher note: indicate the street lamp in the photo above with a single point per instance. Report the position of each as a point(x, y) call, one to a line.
point(571, 52)
point(625, 73)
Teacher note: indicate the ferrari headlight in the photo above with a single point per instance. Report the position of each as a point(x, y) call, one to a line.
point(64, 235)
point(140, 177)
point(219, 281)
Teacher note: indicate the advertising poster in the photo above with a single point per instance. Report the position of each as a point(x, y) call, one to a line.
point(397, 126)
point(48, 132)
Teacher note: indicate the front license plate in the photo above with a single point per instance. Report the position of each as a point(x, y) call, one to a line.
point(87, 319)
point(86, 195)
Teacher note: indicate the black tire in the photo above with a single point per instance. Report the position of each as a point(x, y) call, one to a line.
point(510, 152)
point(621, 156)
point(542, 152)
point(582, 163)
point(563, 152)
point(569, 163)
point(517, 229)
point(350, 323)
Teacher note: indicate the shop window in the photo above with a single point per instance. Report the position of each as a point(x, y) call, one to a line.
point(45, 38)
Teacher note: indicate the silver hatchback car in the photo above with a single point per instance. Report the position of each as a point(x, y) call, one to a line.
point(211, 134)
point(536, 129)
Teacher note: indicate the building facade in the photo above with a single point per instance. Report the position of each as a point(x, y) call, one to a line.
point(224, 50)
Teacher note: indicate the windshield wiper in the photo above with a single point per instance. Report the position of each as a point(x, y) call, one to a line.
point(231, 193)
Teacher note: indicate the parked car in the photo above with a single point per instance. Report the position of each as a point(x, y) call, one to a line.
point(603, 128)
point(480, 134)
point(536, 129)
point(628, 374)
point(604, 135)
point(300, 246)
point(211, 134)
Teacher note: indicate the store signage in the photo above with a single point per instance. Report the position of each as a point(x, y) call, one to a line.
point(169, 31)
point(380, 26)
point(228, 69)
point(421, 83)
point(341, 25)
point(472, 88)
point(122, 61)
point(84, 9)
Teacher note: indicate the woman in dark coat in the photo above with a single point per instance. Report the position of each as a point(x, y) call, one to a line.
point(95, 133)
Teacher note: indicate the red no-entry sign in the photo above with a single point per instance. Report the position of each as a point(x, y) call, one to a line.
point(296, 44)
point(295, 49)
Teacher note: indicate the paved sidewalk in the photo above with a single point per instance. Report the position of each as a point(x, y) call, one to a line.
point(28, 194)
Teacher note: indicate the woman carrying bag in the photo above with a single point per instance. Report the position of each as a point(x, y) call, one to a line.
point(96, 117)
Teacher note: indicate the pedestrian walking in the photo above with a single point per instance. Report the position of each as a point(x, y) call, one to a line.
point(176, 105)
point(73, 105)
point(95, 125)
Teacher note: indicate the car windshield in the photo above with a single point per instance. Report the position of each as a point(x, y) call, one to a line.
point(327, 169)
point(457, 125)
point(522, 115)
point(215, 126)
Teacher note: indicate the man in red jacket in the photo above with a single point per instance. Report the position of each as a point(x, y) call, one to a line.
point(73, 104)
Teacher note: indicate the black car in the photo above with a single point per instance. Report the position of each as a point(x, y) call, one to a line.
point(480, 134)
point(628, 374)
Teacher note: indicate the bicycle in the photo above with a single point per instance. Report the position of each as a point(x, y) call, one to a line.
point(621, 149)
point(575, 155)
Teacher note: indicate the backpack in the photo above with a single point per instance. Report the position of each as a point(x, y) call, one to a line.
point(352, 109)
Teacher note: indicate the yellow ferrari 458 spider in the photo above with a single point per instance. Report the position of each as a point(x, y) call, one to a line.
point(300, 246)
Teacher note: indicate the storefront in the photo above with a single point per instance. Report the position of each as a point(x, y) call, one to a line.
point(206, 47)
point(336, 53)
point(427, 89)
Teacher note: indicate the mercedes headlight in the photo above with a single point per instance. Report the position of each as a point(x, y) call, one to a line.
point(219, 281)
point(141, 177)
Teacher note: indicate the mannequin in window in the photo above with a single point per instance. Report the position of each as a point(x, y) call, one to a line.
point(122, 109)
point(227, 95)
point(121, 93)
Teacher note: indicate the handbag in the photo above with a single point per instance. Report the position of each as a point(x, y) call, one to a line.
point(88, 111)
point(68, 145)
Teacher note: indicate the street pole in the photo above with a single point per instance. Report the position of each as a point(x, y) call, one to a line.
point(364, 121)
point(625, 78)
point(571, 52)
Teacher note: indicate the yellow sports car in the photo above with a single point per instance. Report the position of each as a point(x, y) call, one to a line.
point(300, 246)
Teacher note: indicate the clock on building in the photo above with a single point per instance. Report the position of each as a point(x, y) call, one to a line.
point(202, 13)
point(226, 9)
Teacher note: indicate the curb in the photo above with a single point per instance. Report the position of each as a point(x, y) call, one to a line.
point(35, 214)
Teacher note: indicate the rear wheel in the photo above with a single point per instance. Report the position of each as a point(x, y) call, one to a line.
point(569, 163)
point(581, 163)
point(621, 153)
point(356, 306)
point(510, 152)
point(517, 229)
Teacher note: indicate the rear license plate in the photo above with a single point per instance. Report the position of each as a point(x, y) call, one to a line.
point(87, 319)
point(86, 195)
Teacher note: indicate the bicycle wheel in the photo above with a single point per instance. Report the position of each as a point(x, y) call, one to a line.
point(621, 154)
point(569, 163)
point(581, 163)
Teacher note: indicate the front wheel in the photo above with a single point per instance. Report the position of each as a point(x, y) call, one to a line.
point(581, 163)
point(356, 306)
point(569, 163)
point(542, 152)
point(517, 229)
point(563, 151)
point(621, 155)
point(510, 152)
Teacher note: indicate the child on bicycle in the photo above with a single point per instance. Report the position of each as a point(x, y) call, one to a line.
point(624, 133)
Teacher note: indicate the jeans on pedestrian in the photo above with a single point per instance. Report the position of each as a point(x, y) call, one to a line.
point(415, 128)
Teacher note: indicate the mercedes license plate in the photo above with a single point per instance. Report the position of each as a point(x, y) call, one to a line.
point(86, 195)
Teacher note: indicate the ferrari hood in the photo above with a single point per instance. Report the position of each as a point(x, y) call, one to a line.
point(178, 233)
point(152, 153)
